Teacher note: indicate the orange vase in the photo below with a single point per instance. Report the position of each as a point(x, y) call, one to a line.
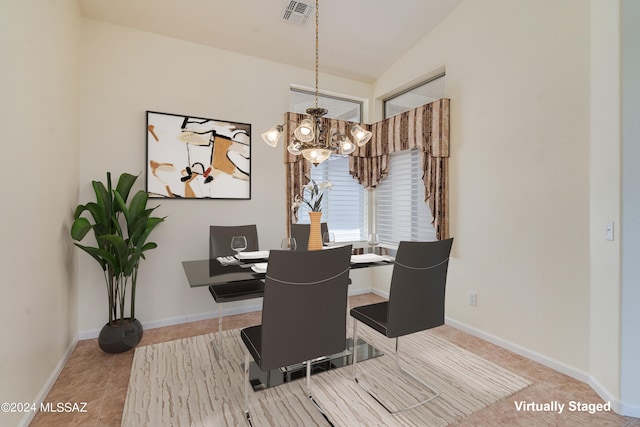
point(315, 235)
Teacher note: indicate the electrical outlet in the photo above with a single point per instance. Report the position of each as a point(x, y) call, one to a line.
point(473, 298)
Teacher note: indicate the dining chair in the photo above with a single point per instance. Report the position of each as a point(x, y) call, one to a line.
point(220, 238)
point(300, 232)
point(220, 246)
point(416, 303)
point(303, 313)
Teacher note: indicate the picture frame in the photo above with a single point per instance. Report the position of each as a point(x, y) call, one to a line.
point(191, 157)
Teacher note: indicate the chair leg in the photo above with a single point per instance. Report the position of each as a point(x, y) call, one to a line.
point(416, 378)
point(402, 370)
point(217, 339)
point(310, 394)
point(247, 361)
point(354, 348)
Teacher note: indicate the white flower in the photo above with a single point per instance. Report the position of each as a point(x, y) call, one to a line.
point(316, 192)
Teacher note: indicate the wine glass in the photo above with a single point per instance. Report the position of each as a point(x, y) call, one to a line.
point(238, 244)
point(328, 238)
point(288, 244)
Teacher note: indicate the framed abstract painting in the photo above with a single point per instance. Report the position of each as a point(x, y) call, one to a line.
point(197, 158)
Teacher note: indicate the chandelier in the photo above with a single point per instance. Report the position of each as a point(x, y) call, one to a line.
point(312, 139)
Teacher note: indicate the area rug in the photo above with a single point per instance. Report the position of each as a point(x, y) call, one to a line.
point(181, 383)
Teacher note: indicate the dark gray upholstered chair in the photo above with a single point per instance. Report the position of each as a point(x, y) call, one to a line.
point(303, 312)
point(416, 302)
point(300, 232)
point(220, 239)
point(220, 245)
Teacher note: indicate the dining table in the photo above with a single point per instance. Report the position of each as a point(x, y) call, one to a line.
point(242, 277)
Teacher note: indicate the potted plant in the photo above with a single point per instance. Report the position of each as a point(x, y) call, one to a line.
point(314, 202)
point(121, 230)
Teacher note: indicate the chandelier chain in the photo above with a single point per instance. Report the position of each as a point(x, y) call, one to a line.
point(317, 26)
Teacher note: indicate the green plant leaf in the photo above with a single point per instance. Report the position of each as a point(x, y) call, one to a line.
point(139, 202)
point(96, 253)
point(120, 253)
point(80, 227)
point(103, 203)
point(125, 182)
point(149, 245)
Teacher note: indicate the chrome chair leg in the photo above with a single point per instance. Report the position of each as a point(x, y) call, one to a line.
point(247, 361)
point(402, 370)
point(217, 339)
point(416, 378)
point(353, 351)
point(310, 394)
point(309, 378)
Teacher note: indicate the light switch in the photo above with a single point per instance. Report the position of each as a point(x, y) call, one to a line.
point(609, 235)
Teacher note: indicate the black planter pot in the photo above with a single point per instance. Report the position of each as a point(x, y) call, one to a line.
point(119, 338)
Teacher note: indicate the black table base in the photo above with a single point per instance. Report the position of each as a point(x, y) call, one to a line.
point(261, 380)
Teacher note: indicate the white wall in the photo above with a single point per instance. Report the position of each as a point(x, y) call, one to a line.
point(519, 83)
point(126, 72)
point(39, 152)
point(605, 195)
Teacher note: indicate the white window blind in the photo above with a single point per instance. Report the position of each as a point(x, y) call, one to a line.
point(401, 212)
point(344, 205)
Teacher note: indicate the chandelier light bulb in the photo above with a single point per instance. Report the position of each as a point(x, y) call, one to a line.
point(272, 136)
point(360, 135)
point(345, 145)
point(294, 148)
point(316, 155)
point(304, 132)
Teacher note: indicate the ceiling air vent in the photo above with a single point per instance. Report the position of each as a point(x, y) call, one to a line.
point(297, 12)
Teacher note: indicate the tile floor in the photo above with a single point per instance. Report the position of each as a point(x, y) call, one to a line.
point(101, 380)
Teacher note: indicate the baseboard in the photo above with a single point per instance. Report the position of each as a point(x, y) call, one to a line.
point(523, 351)
point(628, 410)
point(46, 388)
point(181, 319)
point(380, 293)
point(360, 291)
point(616, 405)
point(84, 335)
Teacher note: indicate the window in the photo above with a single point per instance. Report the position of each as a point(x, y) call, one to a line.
point(344, 207)
point(401, 212)
point(416, 96)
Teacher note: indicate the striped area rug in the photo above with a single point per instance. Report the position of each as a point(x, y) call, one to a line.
point(181, 383)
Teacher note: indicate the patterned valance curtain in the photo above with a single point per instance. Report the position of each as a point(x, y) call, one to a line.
point(425, 128)
point(298, 170)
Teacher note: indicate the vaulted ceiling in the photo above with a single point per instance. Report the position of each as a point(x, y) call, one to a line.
point(359, 39)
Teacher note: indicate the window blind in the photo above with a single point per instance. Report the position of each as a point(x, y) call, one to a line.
point(344, 205)
point(401, 213)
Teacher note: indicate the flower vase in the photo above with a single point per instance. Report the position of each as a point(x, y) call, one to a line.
point(315, 234)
